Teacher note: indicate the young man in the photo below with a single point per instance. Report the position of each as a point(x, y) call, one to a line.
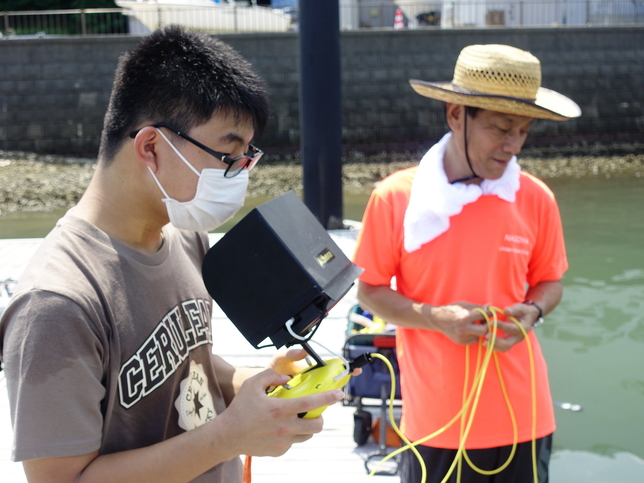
point(107, 342)
point(467, 229)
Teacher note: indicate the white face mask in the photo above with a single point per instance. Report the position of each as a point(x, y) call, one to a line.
point(216, 201)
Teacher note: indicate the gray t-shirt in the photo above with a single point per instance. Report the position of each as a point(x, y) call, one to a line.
point(109, 349)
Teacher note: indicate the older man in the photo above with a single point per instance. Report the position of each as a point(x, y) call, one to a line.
point(464, 230)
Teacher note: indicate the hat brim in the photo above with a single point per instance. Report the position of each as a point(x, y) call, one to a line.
point(548, 104)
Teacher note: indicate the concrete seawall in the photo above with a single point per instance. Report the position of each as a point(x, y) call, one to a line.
point(54, 91)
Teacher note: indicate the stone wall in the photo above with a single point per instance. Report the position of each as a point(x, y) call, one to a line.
point(54, 91)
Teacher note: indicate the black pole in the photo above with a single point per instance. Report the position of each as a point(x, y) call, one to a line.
point(321, 109)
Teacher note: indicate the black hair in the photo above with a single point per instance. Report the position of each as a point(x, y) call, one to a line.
point(471, 111)
point(182, 78)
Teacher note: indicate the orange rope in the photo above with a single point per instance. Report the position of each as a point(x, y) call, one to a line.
point(246, 475)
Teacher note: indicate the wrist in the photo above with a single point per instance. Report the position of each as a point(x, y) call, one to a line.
point(540, 319)
point(423, 319)
point(430, 320)
point(225, 438)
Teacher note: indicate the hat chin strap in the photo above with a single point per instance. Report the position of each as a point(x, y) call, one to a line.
point(467, 157)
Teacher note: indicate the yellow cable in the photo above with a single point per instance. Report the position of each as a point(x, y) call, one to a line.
point(392, 396)
point(466, 380)
point(444, 428)
point(533, 389)
point(474, 394)
point(514, 429)
point(495, 311)
point(510, 410)
point(479, 387)
point(476, 389)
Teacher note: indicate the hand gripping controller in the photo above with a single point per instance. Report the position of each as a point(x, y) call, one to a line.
point(314, 380)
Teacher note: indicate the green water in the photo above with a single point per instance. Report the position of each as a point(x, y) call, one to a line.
point(37, 224)
point(593, 341)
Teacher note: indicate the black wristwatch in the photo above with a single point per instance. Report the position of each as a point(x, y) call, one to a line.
point(539, 320)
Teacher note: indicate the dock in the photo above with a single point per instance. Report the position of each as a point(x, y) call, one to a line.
point(331, 455)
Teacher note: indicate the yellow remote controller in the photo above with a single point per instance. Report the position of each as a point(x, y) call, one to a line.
point(314, 380)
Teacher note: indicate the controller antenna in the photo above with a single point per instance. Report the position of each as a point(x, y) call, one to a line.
point(312, 353)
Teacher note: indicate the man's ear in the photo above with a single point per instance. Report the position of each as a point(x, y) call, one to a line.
point(146, 147)
point(454, 114)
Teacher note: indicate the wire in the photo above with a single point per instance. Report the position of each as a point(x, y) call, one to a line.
point(290, 322)
point(310, 335)
point(514, 428)
point(392, 396)
point(472, 398)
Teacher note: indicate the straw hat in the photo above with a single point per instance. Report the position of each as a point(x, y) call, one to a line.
point(500, 78)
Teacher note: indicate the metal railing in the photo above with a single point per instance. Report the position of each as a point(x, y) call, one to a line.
point(96, 21)
point(141, 17)
point(490, 13)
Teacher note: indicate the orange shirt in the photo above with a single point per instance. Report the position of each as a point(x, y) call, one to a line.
point(492, 251)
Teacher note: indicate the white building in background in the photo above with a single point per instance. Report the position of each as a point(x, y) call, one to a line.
point(213, 16)
point(421, 13)
point(356, 14)
point(539, 13)
point(486, 13)
point(281, 15)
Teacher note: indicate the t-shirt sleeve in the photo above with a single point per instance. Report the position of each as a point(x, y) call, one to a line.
point(376, 250)
point(549, 261)
point(53, 357)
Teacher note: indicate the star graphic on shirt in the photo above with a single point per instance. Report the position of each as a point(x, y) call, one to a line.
point(198, 405)
point(194, 402)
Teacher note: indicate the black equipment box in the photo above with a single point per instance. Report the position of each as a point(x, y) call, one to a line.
point(277, 263)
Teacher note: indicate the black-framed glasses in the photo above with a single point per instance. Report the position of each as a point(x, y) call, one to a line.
point(235, 165)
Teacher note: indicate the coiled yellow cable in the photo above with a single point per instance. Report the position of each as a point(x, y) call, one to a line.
point(471, 397)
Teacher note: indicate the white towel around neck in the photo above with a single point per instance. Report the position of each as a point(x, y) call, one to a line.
point(433, 200)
